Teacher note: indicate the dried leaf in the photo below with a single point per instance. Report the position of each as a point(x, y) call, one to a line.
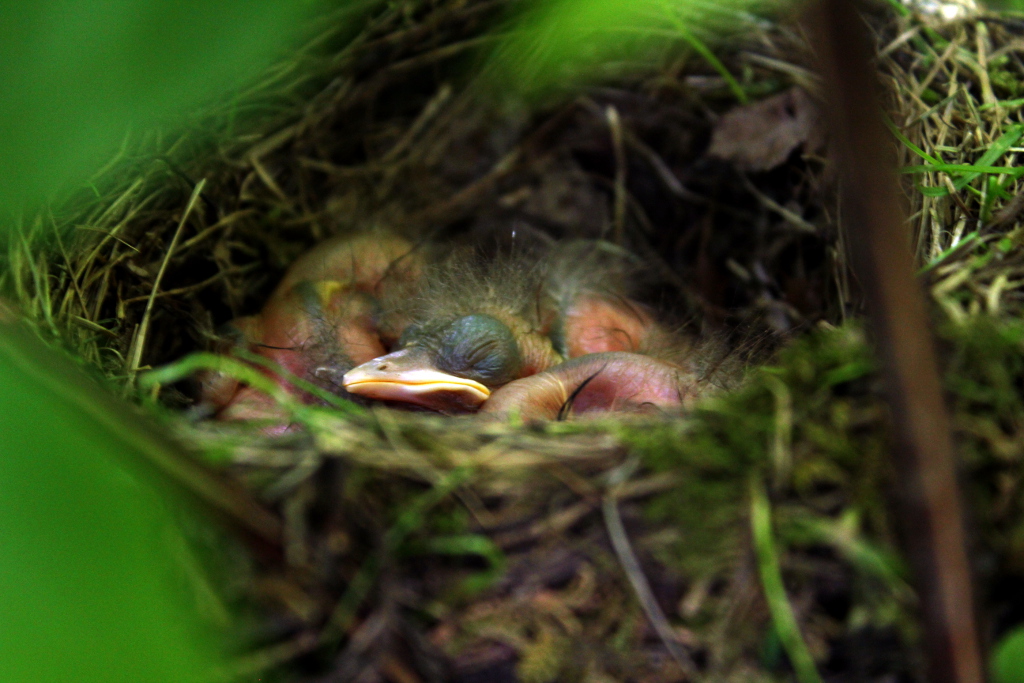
point(760, 136)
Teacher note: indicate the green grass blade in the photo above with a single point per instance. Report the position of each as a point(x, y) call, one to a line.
point(998, 149)
point(240, 366)
point(971, 171)
point(1005, 104)
point(910, 145)
point(700, 48)
point(941, 191)
point(195, 362)
point(964, 243)
point(327, 397)
point(473, 544)
point(774, 591)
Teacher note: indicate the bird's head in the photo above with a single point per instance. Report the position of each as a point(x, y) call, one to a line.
point(450, 366)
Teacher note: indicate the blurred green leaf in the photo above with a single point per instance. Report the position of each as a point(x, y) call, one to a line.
point(85, 581)
point(561, 43)
point(77, 74)
point(1005, 5)
point(85, 584)
point(1008, 658)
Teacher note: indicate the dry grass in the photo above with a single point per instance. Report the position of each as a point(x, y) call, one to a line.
point(958, 101)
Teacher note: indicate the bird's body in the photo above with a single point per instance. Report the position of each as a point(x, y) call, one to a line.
point(613, 381)
point(545, 336)
point(321, 320)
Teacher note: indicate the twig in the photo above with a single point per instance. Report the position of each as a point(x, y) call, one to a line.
point(436, 103)
point(930, 507)
point(92, 326)
point(637, 579)
point(252, 664)
point(790, 217)
point(228, 220)
point(619, 149)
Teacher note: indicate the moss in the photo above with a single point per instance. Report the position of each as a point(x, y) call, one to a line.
point(803, 423)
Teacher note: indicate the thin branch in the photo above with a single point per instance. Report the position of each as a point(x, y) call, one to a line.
point(929, 500)
point(637, 579)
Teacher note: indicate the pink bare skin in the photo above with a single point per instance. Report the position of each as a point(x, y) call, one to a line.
point(605, 373)
point(323, 324)
point(599, 382)
point(297, 333)
point(362, 261)
point(598, 324)
point(319, 321)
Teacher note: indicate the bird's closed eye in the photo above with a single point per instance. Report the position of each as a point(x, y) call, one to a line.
point(481, 347)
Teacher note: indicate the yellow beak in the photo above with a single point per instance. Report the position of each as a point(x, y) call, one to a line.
point(405, 377)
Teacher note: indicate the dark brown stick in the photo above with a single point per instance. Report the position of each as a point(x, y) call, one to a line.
point(929, 498)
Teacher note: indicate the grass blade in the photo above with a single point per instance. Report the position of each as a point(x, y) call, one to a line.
point(774, 591)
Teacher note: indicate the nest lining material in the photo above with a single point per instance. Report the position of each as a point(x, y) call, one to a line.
point(418, 551)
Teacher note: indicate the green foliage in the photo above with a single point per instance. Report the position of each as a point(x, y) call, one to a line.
point(796, 424)
point(813, 427)
point(809, 432)
point(987, 366)
point(1005, 5)
point(78, 75)
point(472, 544)
point(1008, 658)
point(84, 575)
point(986, 373)
point(562, 43)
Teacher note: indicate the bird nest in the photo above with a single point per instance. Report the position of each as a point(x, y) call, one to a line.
point(414, 547)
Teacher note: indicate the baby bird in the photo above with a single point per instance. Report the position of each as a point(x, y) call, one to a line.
point(322, 319)
point(542, 336)
point(472, 328)
point(544, 339)
point(597, 383)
